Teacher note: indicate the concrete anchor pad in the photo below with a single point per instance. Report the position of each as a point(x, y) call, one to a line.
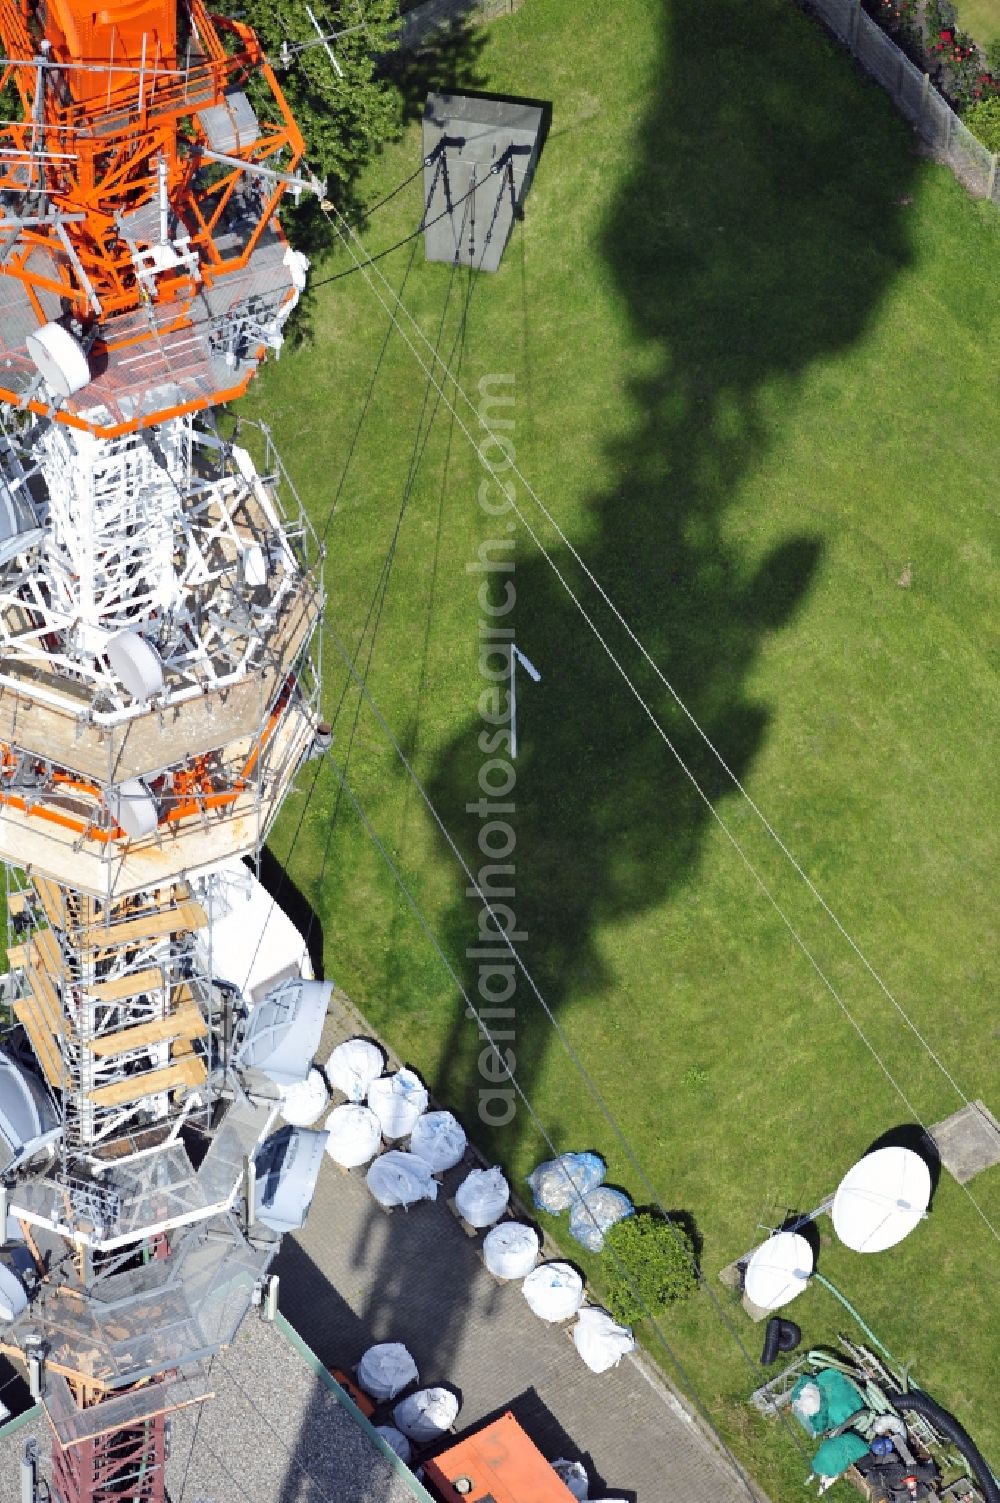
point(479, 158)
point(968, 1141)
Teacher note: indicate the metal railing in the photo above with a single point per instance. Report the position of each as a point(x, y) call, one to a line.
point(914, 95)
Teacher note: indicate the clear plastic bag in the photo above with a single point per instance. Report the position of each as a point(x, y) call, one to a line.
point(426, 1415)
point(592, 1216)
point(398, 1101)
point(558, 1183)
point(510, 1250)
point(439, 1139)
point(601, 1342)
point(397, 1441)
point(574, 1475)
point(303, 1102)
point(554, 1291)
point(400, 1179)
point(355, 1135)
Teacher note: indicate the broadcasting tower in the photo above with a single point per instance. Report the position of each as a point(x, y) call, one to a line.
point(156, 700)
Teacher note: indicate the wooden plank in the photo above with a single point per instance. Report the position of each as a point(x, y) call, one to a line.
point(48, 953)
point(47, 998)
point(187, 1072)
point(127, 986)
point(41, 1039)
point(186, 1023)
point(51, 898)
point(153, 925)
point(37, 959)
point(17, 903)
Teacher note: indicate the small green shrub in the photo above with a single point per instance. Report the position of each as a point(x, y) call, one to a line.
point(649, 1264)
point(983, 119)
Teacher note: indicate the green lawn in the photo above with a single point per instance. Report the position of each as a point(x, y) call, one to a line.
point(753, 338)
point(981, 19)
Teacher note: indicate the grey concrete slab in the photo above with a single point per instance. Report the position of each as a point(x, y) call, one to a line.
point(968, 1141)
point(480, 155)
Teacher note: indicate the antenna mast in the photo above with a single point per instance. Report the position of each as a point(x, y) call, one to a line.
point(156, 700)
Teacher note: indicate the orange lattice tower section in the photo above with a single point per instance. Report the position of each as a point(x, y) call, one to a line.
point(138, 194)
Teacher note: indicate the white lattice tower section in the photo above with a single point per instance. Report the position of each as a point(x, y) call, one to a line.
point(164, 533)
point(114, 506)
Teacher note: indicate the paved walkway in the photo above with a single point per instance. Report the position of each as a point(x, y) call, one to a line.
point(355, 1275)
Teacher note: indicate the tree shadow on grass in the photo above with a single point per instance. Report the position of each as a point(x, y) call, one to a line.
point(756, 233)
point(450, 61)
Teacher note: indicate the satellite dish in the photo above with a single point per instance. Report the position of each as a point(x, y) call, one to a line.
point(778, 1271)
point(19, 529)
point(59, 359)
point(13, 1295)
point(253, 563)
point(132, 806)
point(137, 666)
point(27, 1117)
point(282, 1034)
point(881, 1199)
point(287, 1166)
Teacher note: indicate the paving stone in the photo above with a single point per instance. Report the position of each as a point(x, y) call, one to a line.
point(968, 1141)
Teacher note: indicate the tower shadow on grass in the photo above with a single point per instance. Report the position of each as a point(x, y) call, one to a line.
point(756, 233)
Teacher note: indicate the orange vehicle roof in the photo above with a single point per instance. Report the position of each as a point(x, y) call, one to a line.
point(503, 1465)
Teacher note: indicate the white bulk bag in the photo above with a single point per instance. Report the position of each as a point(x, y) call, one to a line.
point(554, 1291)
point(397, 1440)
point(426, 1415)
point(355, 1135)
point(601, 1342)
point(510, 1250)
point(439, 1139)
point(397, 1101)
point(400, 1179)
point(303, 1102)
point(482, 1197)
point(574, 1475)
point(353, 1066)
point(386, 1369)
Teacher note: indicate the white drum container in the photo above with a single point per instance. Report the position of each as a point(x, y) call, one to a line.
point(510, 1250)
point(303, 1103)
point(398, 1101)
point(355, 1135)
point(554, 1291)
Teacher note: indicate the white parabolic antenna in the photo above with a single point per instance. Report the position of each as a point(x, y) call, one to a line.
point(136, 664)
point(778, 1271)
point(881, 1199)
point(59, 359)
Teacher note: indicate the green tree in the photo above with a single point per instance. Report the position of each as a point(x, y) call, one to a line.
point(648, 1264)
point(344, 115)
point(983, 119)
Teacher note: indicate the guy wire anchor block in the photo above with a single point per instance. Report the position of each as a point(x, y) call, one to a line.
point(479, 158)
